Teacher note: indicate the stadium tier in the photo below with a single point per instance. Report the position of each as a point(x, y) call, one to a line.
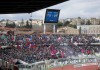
point(30, 49)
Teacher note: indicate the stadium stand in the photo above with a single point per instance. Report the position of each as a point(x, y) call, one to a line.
point(40, 47)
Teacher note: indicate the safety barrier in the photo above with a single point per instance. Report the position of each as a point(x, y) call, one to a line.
point(6, 65)
point(49, 64)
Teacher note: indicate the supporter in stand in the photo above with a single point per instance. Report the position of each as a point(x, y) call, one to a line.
point(36, 47)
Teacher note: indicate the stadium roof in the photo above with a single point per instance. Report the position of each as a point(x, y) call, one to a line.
point(25, 6)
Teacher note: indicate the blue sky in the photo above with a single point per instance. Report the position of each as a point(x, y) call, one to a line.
point(68, 9)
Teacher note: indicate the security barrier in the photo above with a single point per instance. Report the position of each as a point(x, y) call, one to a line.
point(6, 65)
point(49, 64)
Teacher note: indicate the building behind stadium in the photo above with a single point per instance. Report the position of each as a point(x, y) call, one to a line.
point(89, 29)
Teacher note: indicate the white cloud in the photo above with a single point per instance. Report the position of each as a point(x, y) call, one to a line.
point(9, 15)
point(38, 14)
point(82, 8)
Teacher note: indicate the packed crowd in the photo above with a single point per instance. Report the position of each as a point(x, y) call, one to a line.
point(38, 47)
point(86, 48)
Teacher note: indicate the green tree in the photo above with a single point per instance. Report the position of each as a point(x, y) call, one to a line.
point(66, 23)
point(88, 22)
point(31, 26)
point(73, 26)
point(59, 24)
point(27, 24)
point(22, 23)
point(79, 17)
point(7, 24)
point(82, 22)
point(10, 25)
point(13, 25)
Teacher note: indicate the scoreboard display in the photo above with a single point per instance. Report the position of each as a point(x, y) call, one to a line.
point(51, 16)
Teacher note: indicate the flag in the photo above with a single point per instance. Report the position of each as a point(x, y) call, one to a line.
point(51, 47)
point(54, 52)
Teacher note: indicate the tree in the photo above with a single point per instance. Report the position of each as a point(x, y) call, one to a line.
point(73, 26)
point(82, 23)
point(79, 17)
point(30, 25)
point(27, 24)
point(7, 24)
point(13, 25)
point(66, 23)
point(22, 23)
point(88, 22)
point(59, 24)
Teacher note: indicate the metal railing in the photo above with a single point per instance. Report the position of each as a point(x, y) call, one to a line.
point(48, 64)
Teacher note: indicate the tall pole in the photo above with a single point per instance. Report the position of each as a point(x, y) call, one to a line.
point(44, 31)
point(54, 28)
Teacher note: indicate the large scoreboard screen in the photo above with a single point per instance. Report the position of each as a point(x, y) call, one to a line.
point(51, 16)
